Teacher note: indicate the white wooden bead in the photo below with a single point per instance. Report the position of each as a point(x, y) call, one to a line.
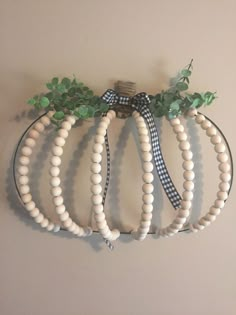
point(179, 220)
point(192, 112)
point(204, 222)
point(104, 229)
point(24, 160)
point(99, 217)
point(96, 179)
point(96, 199)
point(215, 139)
point(115, 234)
point(181, 136)
point(187, 195)
point(54, 171)
point(23, 170)
point(56, 161)
point(34, 213)
point(26, 151)
point(206, 124)
point(76, 230)
point(147, 167)
point(211, 131)
point(222, 157)
point(60, 209)
point(188, 185)
point(44, 223)
point(98, 208)
point(147, 208)
point(33, 134)
point(26, 198)
point(71, 119)
point(148, 178)
point(104, 125)
point(55, 181)
point(135, 114)
point(97, 148)
point(142, 131)
point(24, 189)
point(214, 211)
point(224, 167)
point(99, 139)
point(56, 191)
point(174, 121)
point(66, 125)
point(30, 142)
point(183, 213)
point(71, 228)
point(225, 177)
point(222, 195)
point(50, 227)
point(30, 206)
point(96, 168)
point(223, 186)
point(146, 156)
point(199, 118)
point(188, 165)
point(96, 189)
point(64, 216)
point(219, 203)
point(59, 141)
point(106, 120)
point(56, 228)
point(63, 133)
point(185, 205)
point(144, 230)
point(145, 147)
point(210, 217)
point(177, 226)
point(101, 131)
point(148, 198)
point(45, 121)
point(144, 138)
point(39, 218)
point(189, 175)
point(148, 188)
point(139, 119)
point(145, 224)
point(96, 157)
point(147, 216)
point(101, 225)
point(220, 147)
point(39, 127)
point(184, 145)
point(178, 129)
point(141, 125)
point(23, 180)
point(58, 151)
point(111, 115)
point(58, 200)
point(187, 155)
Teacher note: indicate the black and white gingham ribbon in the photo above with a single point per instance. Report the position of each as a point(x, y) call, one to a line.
point(140, 103)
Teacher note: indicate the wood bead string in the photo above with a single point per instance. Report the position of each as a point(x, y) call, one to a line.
point(224, 167)
point(23, 170)
point(184, 211)
point(56, 191)
point(147, 187)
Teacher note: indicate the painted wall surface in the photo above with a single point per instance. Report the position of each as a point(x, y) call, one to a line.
point(100, 42)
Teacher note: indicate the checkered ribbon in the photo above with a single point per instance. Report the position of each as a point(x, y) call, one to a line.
point(140, 103)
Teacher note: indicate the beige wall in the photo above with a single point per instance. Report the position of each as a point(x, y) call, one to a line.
point(102, 41)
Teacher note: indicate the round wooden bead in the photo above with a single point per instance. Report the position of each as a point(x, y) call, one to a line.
point(225, 177)
point(219, 203)
point(58, 151)
point(145, 147)
point(23, 180)
point(189, 175)
point(187, 195)
point(39, 218)
point(71, 119)
point(178, 129)
point(101, 131)
point(96, 168)
point(56, 191)
point(63, 133)
point(184, 145)
point(115, 234)
point(60, 209)
point(148, 198)
point(210, 217)
point(96, 199)
point(144, 138)
point(142, 131)
point(147, 167)
point(222, 157)
point(33, 134)
point(30, 206)
point(192, 112)
point(55, 181)
point(26, 198)
point(220, 147)
point(214, 211)
point(188, 185)
point(96, 157)
point(215, 139)
point(147, 216)
point(98, 208)
point(101, 225)
point(182, 136)
point(111, 114)
point(96, 189)
point(147, 208)
point(45, 121)
point(50, 227)
point(97, 148)
point(187, 155)
point(66, 125)
point(99, 139)
point(211, 131)
point(26, 151)
point(222, 195)
point(174, 121)
point(23, 170)
point(96, 179)
point(34, 213)
point(56, 161)
point(146, 156)
point(77, 230)
point(183, 213)
point(223, 186)
point(148, 178)
point(145, 224)
point(59, 141)
point(24, 160)
point(24, 189)
point(206, 124)
point(199, 118)
point(39, 127)
point(54, 171)
point(58, 200)
point(204, 222)
point(30, 142)
point(185, 205)
point(99, 217)
point(56, 228)
point(148, 188)
point(106, 120)
point(71, 228)
point(179, 220)
point(64, 216)
point(44, 223)
point(224, 167)
point(188, 165)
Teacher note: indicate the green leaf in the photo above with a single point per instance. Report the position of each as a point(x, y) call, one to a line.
point(175, 105)
point(104, 107)
point(171, 115)
point(196, 102)
point(49, 86)
point(31, 101)
point(66, 82)
point(59, 115)
point(181, 86)
point(186, 73)
point(44, 102)
point(55, 81)
point(72, 91)
point(61, 88)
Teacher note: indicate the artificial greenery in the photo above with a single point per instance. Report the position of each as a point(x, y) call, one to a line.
point(73, 97)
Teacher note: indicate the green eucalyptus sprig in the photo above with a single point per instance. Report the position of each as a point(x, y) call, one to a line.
point(69, 97)
point(175, 101)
